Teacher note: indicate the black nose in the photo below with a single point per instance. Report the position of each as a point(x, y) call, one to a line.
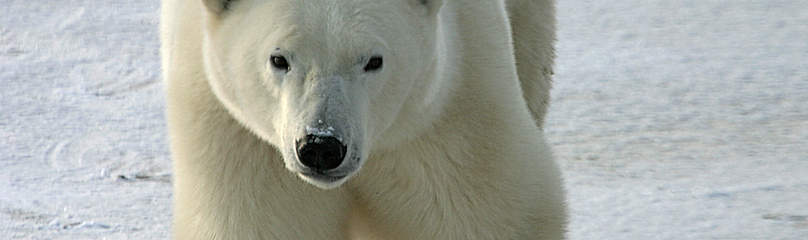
point(321, 153)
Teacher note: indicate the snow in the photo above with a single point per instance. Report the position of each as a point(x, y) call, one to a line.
point(321, 132)
point(81, 106)
point(683, 119)
point(671, 119)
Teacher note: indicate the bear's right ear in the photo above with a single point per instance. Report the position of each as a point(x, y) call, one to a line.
point(218, 6)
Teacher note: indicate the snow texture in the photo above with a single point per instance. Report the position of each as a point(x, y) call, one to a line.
point(671, 119)
point(322, 132)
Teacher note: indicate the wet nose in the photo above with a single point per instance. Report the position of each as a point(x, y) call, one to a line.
point(320, 153)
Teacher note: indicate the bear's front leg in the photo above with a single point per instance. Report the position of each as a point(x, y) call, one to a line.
point(230, 185)
point(256, 206)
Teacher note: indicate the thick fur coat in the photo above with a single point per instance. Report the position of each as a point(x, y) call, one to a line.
point(443, 140)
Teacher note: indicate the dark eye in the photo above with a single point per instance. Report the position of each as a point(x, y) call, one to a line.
point(375, 63)
point(279, 62)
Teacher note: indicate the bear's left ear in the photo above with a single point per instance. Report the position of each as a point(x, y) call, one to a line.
point(432, 6)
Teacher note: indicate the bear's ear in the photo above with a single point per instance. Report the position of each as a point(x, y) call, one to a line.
point(218, 6)
point(432, 6)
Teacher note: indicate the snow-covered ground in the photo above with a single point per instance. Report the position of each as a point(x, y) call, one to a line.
point(671, 119)
point(683, 119)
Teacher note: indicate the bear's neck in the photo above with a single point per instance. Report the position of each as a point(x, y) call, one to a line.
point(478, 105)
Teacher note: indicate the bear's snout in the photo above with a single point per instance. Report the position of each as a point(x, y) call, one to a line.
point(320, 153)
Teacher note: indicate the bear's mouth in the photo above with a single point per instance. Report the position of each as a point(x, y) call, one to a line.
point(324, 160)
point(323, 177)
point(325, 153)
point(325, 180)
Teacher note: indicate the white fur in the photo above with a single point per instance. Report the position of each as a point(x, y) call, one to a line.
point(445, 140)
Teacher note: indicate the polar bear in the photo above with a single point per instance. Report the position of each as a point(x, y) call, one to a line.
point(361, 119)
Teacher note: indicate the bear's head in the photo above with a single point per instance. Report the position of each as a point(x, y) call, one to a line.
point(326, 82)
